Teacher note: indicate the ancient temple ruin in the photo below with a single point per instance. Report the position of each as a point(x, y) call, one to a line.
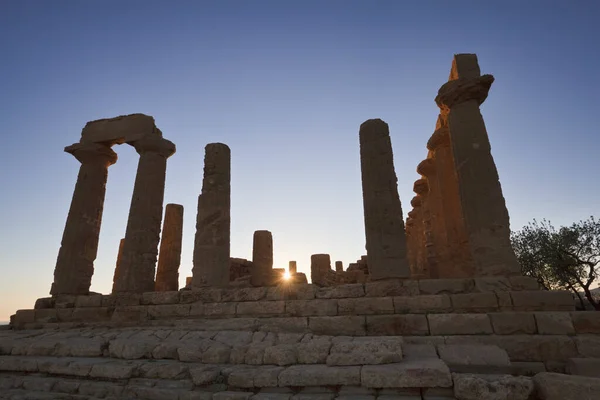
point(436, 309)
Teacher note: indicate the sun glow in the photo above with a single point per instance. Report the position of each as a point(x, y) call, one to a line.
point(286, 276)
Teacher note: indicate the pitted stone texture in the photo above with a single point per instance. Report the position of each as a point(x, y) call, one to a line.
point(474, 358)
point(429, 372)
point(584, 367)
point(586, 322)
point(511, 323)
point(366, 351)
point(169, 258)
point(340, 325)
point(554, 323)
point(319, 375)
point(492, 387)
point(384, 223)
point(553, 386)
point(384, 325)
point(459, 324)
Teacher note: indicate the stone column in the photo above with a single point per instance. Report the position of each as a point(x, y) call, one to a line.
point(418, 238)
point(292, 269)
point(117, 274)
point(482, 203)
point(142, 235)
point(384, 224)
point(262, 259)
point(79, 244)
point(460, 263)
point(320, 266)
point(339, 266)
point(169, 258)
point(213, 223)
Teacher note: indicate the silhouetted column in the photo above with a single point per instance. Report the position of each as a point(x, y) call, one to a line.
point(482, 202)
point(213, 223)
point(320, 267)
point(339, 266)
point(118, 272)
point(418, 238)
point(169, 258)
point(384, 224)
point(262, 258)
point(79, 245)
point(142, 235)
point(292, 269)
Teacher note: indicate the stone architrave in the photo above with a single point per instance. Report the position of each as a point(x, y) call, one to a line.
point(384, 224)
point(482, 203)
point(262, 259)
point(460, 263)
point(320, 267)
point(169, 258)
point(79, 244)
point(292, 268)
point(138, 264)
point(213, 223)
point(117, 274)
point(339, 266)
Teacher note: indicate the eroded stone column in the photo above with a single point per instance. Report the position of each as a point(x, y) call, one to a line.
point(142, 235)
point(117, 274)
point(292, 268)
point(419, 268)
point(79, 244)
point(169, 258)
point(482, 203)
point(384, 224)
point(320, 267)
point(213, 223)
point(262, 259)
point(339, 266)
point(460, 263)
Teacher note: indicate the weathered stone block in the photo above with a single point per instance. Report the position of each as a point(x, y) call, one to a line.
point(523, 283)
point(385, 325)
point(314, 352)
point(446, 286)
point(584, 367)
point(89, 301)
point(341, 291)
point(204, 374)
point(164, 370)
point(44, 302)
point(391, 287)
point(130, 314)
point(170, 297)
point(493, 387)
point(261, 308)
point(422, 304)
point(91, 314)
point(526, 368)
point(281, 354)
point(512, 323)
point(232, 395)
point(366, 305)
point(319, 375)
point(18, 364)
point(492, 284)
point(23, 317)
point(424, 373)
point(586, 321)
point(340, 325)
point(216, 353)
point(552, 386)
point(587, 345)
point(213, 309)
point(419, 351)
point(46, 315)
point(311, 307)
point(459, 324)
point(205, 295)
point(473, 302)
point(245, 294)
point(168, 311)
point(279, 324)
point(542, 300)
point(474, 358)
point(371, 351)
point(554, 323)
point(112, 370)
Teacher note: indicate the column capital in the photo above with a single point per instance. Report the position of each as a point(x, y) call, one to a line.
point(416, 201)
point(154, 144)
point(421, 187)
point(426, 167)
point(412, 215)
point(462, 90)
point(92, 153)
point(440, 138)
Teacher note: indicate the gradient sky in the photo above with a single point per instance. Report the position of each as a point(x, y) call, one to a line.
point(286, 85)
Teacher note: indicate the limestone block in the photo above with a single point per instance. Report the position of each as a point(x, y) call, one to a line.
point(18, 364)
point(213, 309)
point(164, 370)
point(170, 297)
point(519, 282)
point(100, 389)
point(504, 300)
point(216, 353)
point(165, 311)
point(166, 350)
point(23, 317)
point(586, 321)
point(474, 302)
point(555, 366)
point(44, 302)
point(130, 314)
point(588, 345)
point(132, 349)
point(419, 351)
point(553, 386)
point(459, 324)
point(340, 325)
point(372, 351)
point(498, 387)
point(512, 323)
point(81, 347)
point(554, 323)
point(319, 375)
point(526, 368)
point(291, 324)
point(492, 284)
point(121, 129)
point(267, 376)
point(366, 305)
point(271, 396)
point(255, 354)
point(46, 315)
point(409, 324)
point(281, 354)
point(204, 374)
point(91, 314)
point(313, 352)
point(238, 354)
point(315, 307)
point(438, 303)
point(446, 286)
point(289, 338)
point(391, 287)
point(112, 370)
point(232, 395)
point(261, 308)
point(430, 372)
point(205, 295)
point(89, 301)
point(542, 300)
point(474, 358)
point(244, 294)
point(233, 338)
point(341, 291)
point(584, 367)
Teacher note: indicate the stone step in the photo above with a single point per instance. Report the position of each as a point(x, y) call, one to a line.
point(584, 367)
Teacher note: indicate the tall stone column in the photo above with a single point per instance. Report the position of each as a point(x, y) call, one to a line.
point(292, 268)
point(339, 266)
point(79, 244)
point(460, 263)
point(483, 206)
point(420, 257)
point(411, 243)
point(262, 258)
point(213, 223)
point(384, 224)
point(320, 267)
point(169, 258)
point(118, 272)
point(142, 235)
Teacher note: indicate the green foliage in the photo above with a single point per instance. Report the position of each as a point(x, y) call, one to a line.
point(564, 258)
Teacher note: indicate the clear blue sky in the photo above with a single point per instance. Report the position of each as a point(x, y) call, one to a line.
point(286, 85)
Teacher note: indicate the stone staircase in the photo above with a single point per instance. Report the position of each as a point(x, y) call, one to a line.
point(425, 339)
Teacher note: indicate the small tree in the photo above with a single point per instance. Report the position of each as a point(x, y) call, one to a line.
point(567, 258)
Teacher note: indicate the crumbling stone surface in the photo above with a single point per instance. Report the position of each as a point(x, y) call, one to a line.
point(167, 273)
point(262, 259)
point(492, 387)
